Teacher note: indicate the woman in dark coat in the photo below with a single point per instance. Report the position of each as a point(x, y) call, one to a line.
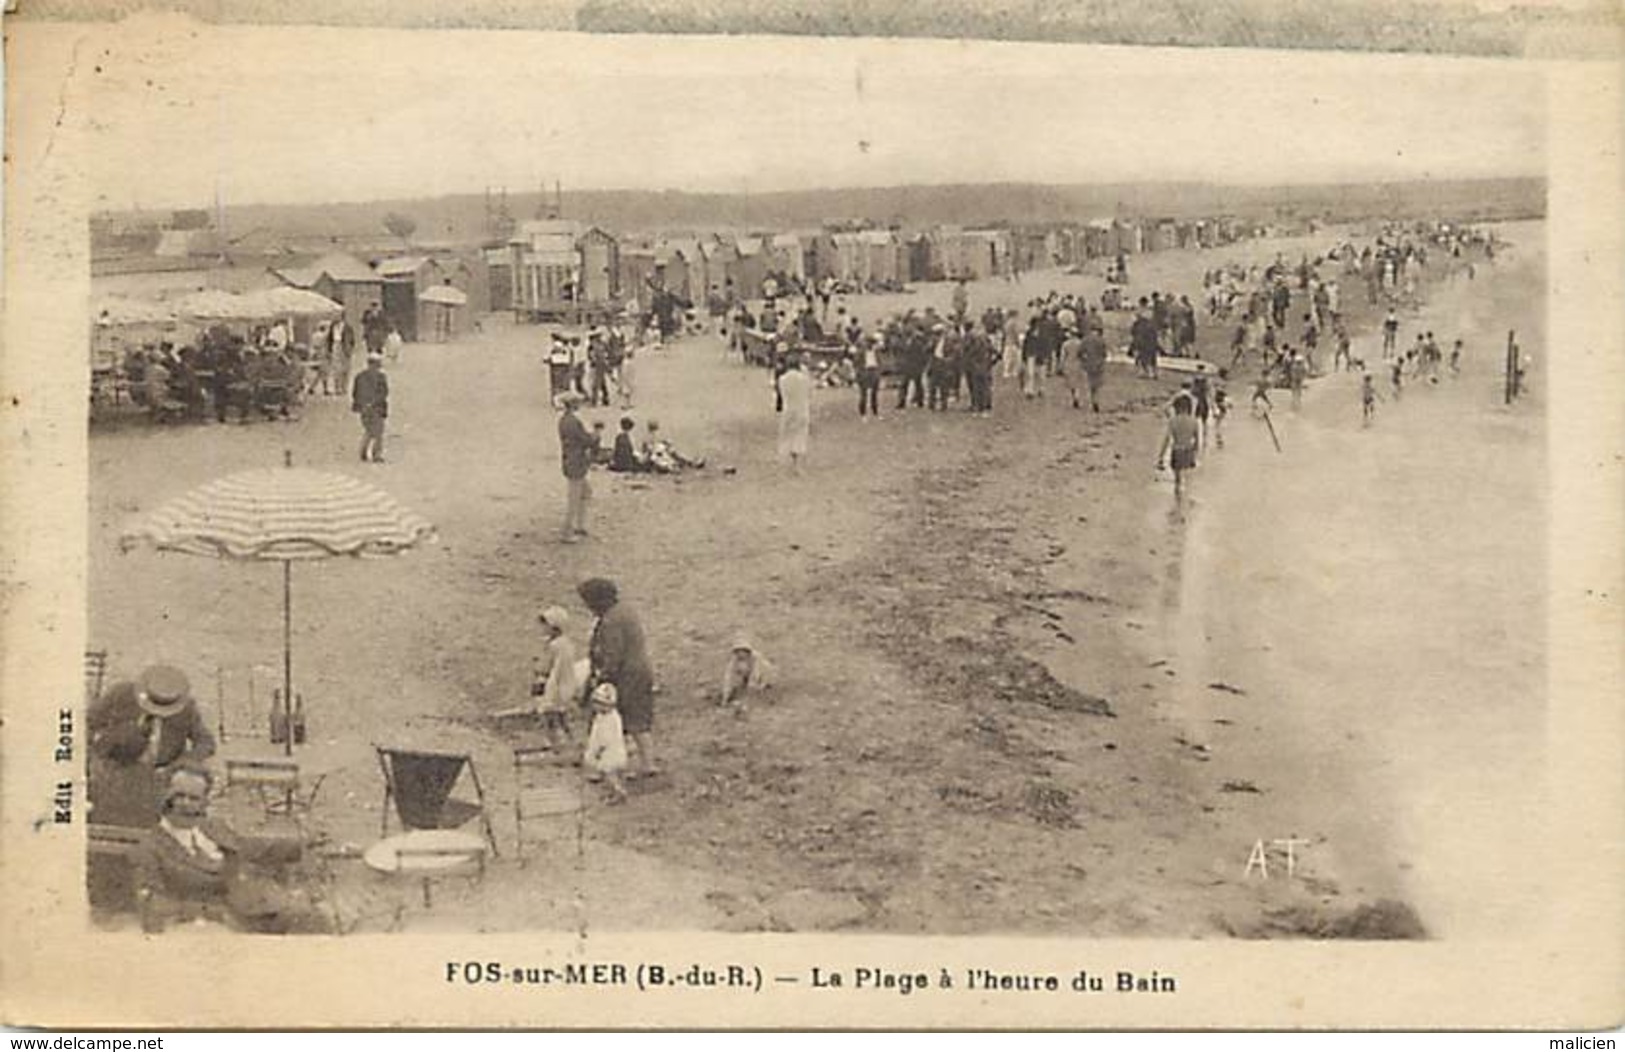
point(619, 656)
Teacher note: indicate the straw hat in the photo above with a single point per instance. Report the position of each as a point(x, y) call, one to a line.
point(165, 691)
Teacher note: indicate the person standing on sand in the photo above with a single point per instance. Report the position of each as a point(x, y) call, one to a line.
point(576, 447)
point(866, 349)
point(1181, 439)
point(1368, 399)
point(1143, 341)
point(343, 357)
point(619, 656)
point(1010, 344)
point(1072, 354)
point(605, 755)
point(1092, 360)
point(370, 399)
point(795, 423)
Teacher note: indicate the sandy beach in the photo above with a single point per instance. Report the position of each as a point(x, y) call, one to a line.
point(998, 640)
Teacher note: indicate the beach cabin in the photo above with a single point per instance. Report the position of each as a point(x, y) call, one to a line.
point(341, 278)
point(851, 259)
point(720, 272)
point(404, 277)
point(755, 263)
point(498, 264)
point(917, 251)
point(883, 258)
point(600, 266)
point(788, 258)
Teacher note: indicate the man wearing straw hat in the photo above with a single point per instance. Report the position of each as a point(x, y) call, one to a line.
point(160, 706)
point(576, 448)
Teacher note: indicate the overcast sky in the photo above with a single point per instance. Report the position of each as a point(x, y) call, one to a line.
point(302, 115)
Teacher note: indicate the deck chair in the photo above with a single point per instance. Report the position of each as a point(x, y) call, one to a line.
point(544, 792)
point(418, 785)
point(95, 673)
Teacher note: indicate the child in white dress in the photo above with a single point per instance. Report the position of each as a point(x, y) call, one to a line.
point(606, 744)
point(560, 687)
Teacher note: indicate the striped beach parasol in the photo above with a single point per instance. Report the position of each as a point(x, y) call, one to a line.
point(282, 515)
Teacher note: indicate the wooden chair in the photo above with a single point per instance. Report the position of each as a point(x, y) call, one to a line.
point(417, 789)
point(275, 783)
point(543, 791)
point(95, 673)
point(112, 855)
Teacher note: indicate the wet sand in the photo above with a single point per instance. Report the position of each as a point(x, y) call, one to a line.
point(1380, 593)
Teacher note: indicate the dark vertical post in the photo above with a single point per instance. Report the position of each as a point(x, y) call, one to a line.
point(1512, 368)
point(287, 654)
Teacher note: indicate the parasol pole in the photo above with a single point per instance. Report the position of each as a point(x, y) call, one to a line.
point(287, 639)
point(287, 655)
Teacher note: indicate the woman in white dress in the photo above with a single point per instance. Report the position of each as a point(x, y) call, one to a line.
point(795, 422)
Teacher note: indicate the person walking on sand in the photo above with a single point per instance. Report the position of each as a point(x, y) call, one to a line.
point(795, 423)
point(1072, 354)
point(1092, 361)
point(619, 656)
point(1390, 333)
point(1181, 439)
point(1368, 399)
point(370, 399)
point(577, 445)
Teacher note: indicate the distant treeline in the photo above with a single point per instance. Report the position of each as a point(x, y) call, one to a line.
point(464, 218)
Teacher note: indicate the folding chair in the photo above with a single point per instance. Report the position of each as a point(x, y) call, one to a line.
point(275, 783)
point(95, 673)
point(418, 785)
point(542, 790)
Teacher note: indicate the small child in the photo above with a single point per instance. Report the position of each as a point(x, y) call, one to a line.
point(561, 685)
point(1221, 407)
point(1182, 439)
point(1261, 392)
point(606, 743)
point(1368, 399)
point(1455, 359)
point(747, 672)
point(624, 457)
point(1396, 377)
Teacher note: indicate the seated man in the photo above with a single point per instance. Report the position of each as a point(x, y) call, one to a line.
point(194, 868)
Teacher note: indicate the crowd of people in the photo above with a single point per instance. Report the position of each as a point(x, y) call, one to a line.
point(257, 372)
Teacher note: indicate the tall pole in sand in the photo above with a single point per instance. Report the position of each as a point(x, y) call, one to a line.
point(287, 640)
point(1512, 368)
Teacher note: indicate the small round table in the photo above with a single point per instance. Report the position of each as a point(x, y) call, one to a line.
point(428, 853)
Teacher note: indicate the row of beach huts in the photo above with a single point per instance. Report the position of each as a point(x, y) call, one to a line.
point(555, 267)
point(565, 269)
